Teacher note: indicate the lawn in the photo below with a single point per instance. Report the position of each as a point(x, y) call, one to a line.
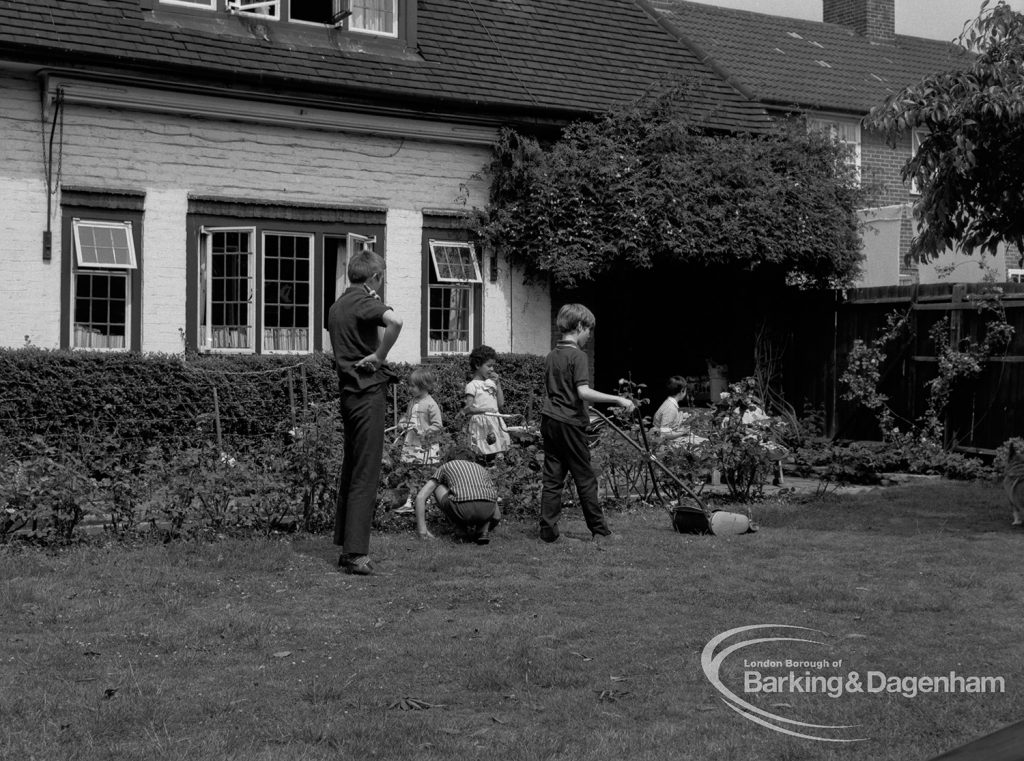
point(518, 650)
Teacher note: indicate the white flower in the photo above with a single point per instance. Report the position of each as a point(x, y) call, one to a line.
point(724, 396)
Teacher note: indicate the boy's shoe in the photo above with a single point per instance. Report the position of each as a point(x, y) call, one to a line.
point(407, 509)
point(358, 565)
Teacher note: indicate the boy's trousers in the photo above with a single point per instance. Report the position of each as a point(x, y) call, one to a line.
point(566, 451)
point(362, 414)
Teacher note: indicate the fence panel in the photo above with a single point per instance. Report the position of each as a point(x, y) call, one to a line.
point(983, 412)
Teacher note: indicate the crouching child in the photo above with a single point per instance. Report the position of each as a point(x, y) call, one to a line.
point(466, 495)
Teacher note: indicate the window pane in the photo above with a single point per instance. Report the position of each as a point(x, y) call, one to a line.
point(449, 318)
point(104, 244)
point(231, 290)
point(286, 292)
point(316, 11)
point(455, 262)
point(101, 310)
point(373, 16)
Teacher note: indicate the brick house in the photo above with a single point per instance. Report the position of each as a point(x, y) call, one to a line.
point(833, 72)
point(193, 174)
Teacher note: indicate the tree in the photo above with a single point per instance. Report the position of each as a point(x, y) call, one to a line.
point(642, 185)
point(970, 163)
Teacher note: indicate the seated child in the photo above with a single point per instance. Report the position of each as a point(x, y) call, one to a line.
point(670, 422)
point(484, 401)
point(422, 419)
point(466, 495)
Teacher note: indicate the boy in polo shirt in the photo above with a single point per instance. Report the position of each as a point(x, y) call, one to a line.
point(466, 495)
point(363, 379)
point(563, 422)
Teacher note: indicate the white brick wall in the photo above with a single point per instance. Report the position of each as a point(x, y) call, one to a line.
point(163, 270)
point(405, 279)
point(169, 157)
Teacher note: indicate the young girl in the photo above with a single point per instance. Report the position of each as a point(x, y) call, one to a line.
point(422, 419)
point(484, 401)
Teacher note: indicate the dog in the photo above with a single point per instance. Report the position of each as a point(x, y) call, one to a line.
point(1013, 482)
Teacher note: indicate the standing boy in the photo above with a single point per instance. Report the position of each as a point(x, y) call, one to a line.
point(359, 354)
point(563, 423)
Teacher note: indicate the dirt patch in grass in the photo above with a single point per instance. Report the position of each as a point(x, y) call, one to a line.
point(517, 650)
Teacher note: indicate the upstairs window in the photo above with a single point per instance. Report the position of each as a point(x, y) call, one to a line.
point(208, 4)
point(845, 131)
point(264, 8)
point(917, 137)
point(376, 17)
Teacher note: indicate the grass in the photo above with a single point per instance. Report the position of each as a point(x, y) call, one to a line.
point(261, 650)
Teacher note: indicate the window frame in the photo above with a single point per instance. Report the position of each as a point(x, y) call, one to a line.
point(204, 338)
point(206, 5)
point(320, 225)
point(395, 24)
point(262, 292)
point(444, 230)
point(403, 14)
point(275, 16)
point(832, 122)
point(1014, 272)
point(126, 225)
point(105, 209)
point(916, 136)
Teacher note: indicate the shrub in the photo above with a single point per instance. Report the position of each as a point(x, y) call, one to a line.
point(131, 441)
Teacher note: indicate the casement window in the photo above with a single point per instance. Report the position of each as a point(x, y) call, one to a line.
point(376, 17)
point(846, 131)
point(266, 284)
point(454, 286)
point(1014, 276)
point(101, 286)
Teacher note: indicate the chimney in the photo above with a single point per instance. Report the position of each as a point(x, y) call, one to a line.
point(874, 19)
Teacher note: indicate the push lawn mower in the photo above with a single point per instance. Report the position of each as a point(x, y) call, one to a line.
point(689, 513)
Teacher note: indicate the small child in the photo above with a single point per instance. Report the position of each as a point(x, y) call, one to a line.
point(564, 421)
point(421, 420)
point(484, 401)
point(466, 495)
point(670, 423)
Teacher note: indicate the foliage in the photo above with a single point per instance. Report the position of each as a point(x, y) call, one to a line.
point(970, 164)
point(957, 364)
point(141, 470)
point(746, 448)
point(642, 185)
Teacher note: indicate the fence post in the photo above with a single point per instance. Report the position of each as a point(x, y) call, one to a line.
point(305, 389)
point(216, 420)
point(291, 397)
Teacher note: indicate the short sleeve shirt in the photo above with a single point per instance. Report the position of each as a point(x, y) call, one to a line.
point(466, 481)
point(352, 323)
point(565, 370)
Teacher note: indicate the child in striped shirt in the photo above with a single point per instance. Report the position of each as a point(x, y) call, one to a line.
point(467, 497)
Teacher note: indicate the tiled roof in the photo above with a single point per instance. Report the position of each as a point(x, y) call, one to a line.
point(539, 57)
point(793, 62)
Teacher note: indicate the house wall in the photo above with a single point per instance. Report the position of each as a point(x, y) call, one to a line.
point(170, 157)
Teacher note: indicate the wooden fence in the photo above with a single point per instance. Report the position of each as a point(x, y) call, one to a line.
point(983, 412)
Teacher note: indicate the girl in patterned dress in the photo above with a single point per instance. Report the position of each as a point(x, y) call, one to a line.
point(484, 401)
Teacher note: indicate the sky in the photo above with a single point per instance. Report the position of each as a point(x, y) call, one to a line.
point(937, 19)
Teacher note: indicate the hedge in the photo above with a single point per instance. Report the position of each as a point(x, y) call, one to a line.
point(132, 402)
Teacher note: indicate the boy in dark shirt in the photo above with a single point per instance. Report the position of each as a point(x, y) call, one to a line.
point(563, 423)
point(363, 378)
